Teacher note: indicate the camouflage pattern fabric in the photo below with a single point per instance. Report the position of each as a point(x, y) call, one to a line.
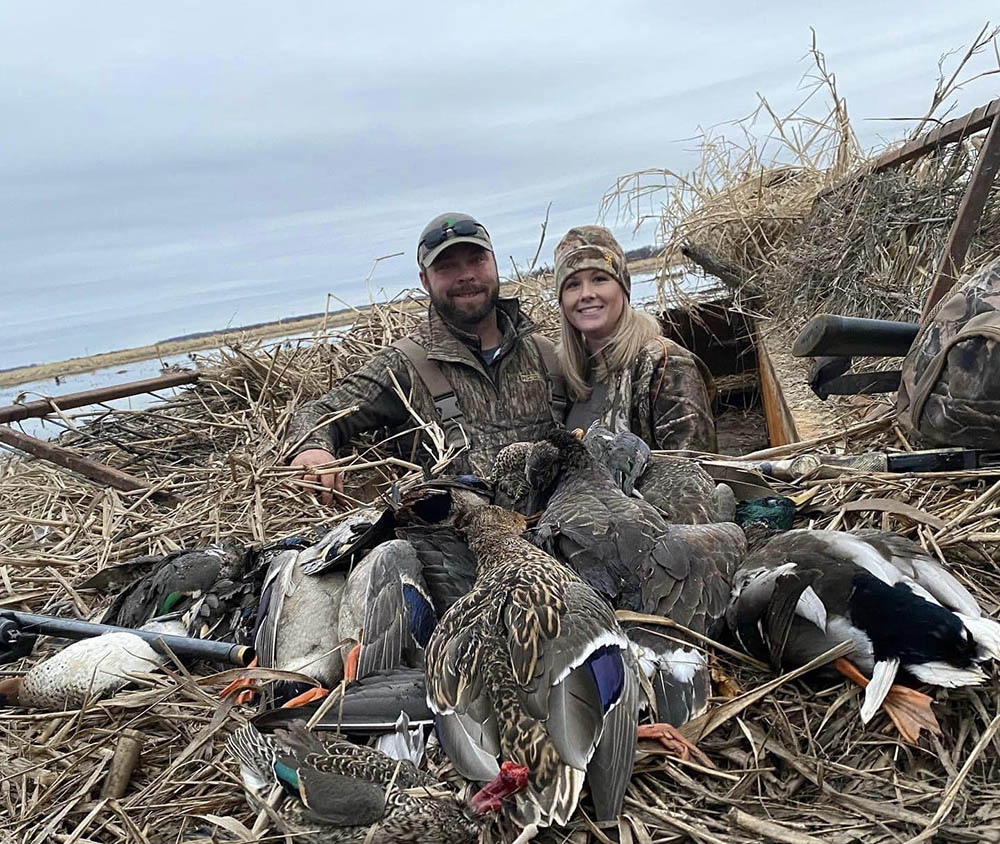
point(591, 247)
point(666, 399)
point(508, 401)
point(950, 388)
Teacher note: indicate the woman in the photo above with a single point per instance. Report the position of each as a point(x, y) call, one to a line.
point(618, 367)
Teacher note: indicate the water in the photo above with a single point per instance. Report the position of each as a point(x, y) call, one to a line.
point(643, 290)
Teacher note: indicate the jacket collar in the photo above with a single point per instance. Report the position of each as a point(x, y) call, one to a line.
point(449, 342)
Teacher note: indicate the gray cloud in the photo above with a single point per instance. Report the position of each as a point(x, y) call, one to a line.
point(176, 169)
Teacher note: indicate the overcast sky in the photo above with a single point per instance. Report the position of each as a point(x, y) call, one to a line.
point(194, 165)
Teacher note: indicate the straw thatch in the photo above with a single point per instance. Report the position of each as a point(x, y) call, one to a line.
point(793, 762)
point(771, 199)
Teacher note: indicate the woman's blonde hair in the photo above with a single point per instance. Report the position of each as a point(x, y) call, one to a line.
point(632, 332)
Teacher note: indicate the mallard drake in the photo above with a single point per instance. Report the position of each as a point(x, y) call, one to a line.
point(800, 592)
point(624, 548)
point(297, 621)
point(531, 667)
point(86, 669)
point(338, 792)
point(677, 486)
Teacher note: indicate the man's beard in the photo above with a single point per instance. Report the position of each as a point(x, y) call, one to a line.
point(467, 316)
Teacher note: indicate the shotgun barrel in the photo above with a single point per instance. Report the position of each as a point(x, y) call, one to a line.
point(840, 336)
point(181, 646)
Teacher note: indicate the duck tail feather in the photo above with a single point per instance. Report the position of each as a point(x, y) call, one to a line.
point(947, 676)
point(883, 676)
point(253, 751)
point(682, 685)
point(986, 632)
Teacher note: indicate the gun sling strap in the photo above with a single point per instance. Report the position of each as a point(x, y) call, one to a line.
point(446, 402)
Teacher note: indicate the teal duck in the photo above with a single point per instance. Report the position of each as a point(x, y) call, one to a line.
point(85, 670)
point(801, 592)
point(337, 792)
point(531, 667)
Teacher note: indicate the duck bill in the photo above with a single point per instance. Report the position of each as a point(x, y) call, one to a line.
point(512, 779)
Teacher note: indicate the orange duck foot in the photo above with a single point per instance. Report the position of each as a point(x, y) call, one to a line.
point(243, 687)
point(672, 739)
point(351, 663)
point(908, 709)
point(315, 693)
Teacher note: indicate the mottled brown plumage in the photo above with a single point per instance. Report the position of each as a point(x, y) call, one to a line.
point(515, 672)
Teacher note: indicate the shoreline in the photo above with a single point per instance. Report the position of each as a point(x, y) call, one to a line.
point(213, 339)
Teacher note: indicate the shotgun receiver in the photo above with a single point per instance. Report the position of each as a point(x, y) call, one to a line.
point(18, 631)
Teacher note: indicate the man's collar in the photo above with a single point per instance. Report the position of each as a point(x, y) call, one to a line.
point(444, 334)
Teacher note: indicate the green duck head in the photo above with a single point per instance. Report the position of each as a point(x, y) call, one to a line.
point(774, 511)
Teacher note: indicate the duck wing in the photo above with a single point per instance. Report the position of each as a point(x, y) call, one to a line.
point(573, 667)
point(680, 489)
point(916, 565)
point(456, 692)
point(330, 797)
point(447, 564)
point(369, 706)
point(399, 617)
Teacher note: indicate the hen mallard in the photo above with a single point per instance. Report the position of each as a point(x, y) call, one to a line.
point(624, 548)
point(678, 487)
point(338, 792)
point(531, 667)
point(86, 669)
point(801, 592)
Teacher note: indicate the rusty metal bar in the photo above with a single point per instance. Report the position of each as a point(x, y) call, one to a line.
point(98, 472)
point(949, 268)
point(43, 407)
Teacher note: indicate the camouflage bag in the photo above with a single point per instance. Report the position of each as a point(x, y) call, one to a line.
point(949, 393)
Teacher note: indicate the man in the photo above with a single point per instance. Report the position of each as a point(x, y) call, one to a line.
point(476, 366)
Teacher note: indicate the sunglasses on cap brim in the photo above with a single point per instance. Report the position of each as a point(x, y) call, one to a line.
point(463, 228)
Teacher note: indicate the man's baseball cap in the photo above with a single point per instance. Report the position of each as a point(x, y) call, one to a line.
point(446, 230)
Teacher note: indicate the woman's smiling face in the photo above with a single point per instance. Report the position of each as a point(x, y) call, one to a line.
point(593, 301)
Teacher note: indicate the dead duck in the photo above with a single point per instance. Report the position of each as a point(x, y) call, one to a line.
point(678, 487)
point(418, 565)
point(297, 624)
point(625, 549)
point(156, 585)
point(800, 592)
point(531, 667)
point(87, 669)
point(337, 792)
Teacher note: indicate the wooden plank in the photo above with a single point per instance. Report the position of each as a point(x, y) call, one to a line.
point(781, 427)
point(106, 475)
point(954, 130)
point(43, 407)
point(967, 220)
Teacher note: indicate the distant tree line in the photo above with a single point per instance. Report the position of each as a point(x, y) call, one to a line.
point(638, 254)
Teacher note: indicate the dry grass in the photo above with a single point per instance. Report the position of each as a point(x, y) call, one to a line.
point(796, 756)
point(759, 201)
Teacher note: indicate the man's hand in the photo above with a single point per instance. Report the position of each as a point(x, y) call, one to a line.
point(331, 481)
